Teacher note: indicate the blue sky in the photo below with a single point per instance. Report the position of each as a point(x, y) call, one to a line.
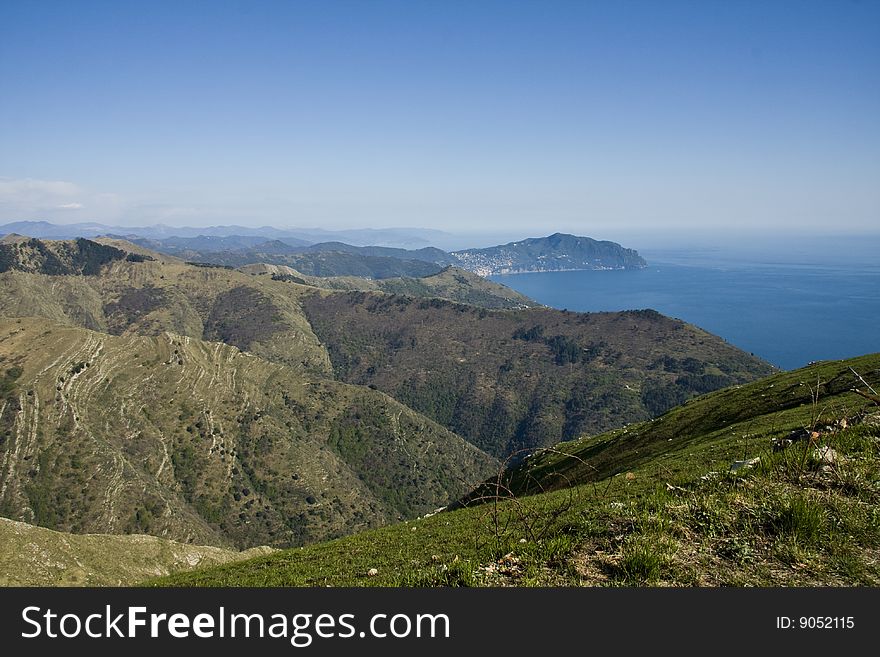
point(600, 118)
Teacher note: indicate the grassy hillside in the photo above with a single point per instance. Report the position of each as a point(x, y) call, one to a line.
point(34, 556)
point(727, 424)
point(506, 380)
point(203, 443)
point(668, 505)
point(450, 283)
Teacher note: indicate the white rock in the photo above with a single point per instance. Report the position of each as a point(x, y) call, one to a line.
point(739, 465)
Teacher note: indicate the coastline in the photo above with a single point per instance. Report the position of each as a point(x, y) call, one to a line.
point(549, 271)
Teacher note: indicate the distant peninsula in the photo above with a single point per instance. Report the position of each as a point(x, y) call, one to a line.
point(557, 252)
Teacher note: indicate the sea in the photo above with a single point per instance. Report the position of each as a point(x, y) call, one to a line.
point(789, 307)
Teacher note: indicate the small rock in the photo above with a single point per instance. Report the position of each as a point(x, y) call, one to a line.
point(827, 455)
point(372, 572)
point(739, 465)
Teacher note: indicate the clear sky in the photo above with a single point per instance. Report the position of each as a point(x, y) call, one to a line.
point(601, 118)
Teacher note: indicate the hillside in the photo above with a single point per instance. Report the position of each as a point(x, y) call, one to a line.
point(34, 556)
point(317, 262)
point(698, 497)
point(200, 442)
point(78, 257)
point(557, 252)
point(427, 254)
point(137, 294)
point(727, 423)
point(506, 380)
point(450, 283)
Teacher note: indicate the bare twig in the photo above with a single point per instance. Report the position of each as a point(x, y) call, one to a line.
point(867, 395)
point(534, 524)
point(865, 383)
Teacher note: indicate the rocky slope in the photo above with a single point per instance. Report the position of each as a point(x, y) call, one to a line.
point(202, 443)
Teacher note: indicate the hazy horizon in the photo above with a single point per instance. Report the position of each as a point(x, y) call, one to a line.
point(673, 246)
point(603, 119)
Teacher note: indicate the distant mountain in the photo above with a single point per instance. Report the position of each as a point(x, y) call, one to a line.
point(323, 259)
point(46, 230)
point(407, 238)
point(317, 262)
point(388, 237)
point(205, 243)
point(554, 253)
point(427, 254)
point(558, 252)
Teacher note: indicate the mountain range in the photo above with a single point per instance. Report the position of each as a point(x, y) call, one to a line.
point(394, 237)
point(335, 258)
point(553, 253)
point(237, 408)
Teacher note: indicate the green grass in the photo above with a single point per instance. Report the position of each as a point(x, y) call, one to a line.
point(649, 513)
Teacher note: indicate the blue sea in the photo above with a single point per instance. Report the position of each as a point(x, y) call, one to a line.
point(788, 313)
